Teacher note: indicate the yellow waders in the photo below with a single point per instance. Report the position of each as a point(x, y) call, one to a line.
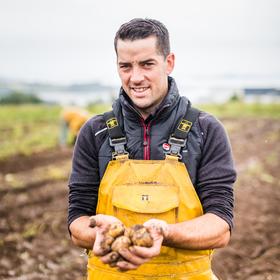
point(137, 190)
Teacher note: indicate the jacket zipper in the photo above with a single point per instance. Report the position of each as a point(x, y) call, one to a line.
point(147, 139)
point(146, 127)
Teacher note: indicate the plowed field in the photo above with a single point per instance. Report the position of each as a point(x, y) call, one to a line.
point(34, 241)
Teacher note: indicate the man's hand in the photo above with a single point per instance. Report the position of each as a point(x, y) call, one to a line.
point(103, 222)
point(136, 255)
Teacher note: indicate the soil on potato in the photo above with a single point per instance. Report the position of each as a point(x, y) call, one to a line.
point(34, 240)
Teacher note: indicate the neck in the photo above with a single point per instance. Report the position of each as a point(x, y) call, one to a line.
point(146, 112)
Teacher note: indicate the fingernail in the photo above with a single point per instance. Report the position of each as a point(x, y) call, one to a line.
point(121, 251)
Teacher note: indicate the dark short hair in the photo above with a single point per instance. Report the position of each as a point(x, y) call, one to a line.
point(139, 28)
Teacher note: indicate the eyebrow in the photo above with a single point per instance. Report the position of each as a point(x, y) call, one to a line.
point(140, 62)
point(147, 61)
point(124, 63)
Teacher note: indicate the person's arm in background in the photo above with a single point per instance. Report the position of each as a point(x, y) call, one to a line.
point(63, 133)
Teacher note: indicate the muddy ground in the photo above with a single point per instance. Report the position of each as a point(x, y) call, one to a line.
point(34, 242)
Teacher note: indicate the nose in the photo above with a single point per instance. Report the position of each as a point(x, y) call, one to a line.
point(137, 75)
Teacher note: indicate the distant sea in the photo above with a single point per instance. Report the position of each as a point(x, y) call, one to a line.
point(200, 90)
point(79, 98)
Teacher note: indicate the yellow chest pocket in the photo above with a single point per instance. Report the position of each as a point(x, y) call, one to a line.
point(140, 202)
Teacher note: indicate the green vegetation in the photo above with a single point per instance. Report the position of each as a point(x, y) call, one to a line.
point(26, 129)
point(99, 107)
point(20, 98)
point(237, 109)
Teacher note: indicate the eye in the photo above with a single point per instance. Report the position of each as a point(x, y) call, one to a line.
point(124, 66)
point(148, 64)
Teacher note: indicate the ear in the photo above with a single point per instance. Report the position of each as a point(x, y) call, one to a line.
point(170, 63)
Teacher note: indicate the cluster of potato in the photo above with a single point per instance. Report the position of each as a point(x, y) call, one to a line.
point(118, 237)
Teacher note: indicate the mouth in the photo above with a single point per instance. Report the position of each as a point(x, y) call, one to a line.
point(139, 91)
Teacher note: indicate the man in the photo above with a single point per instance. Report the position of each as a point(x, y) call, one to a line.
point(153, 134)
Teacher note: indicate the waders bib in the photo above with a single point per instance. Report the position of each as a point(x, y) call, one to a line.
point(135, 191)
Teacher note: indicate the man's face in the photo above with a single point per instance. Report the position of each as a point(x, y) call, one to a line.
point(143, 72)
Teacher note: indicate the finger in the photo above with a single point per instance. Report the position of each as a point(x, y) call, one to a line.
point(97, 249)
point(144, 252)
point(112, 257)
point(132, 258)
point(124, 266)
point(100, 220)
point(158, 226)
point(104, 221)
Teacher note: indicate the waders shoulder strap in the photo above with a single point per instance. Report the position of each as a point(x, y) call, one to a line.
point(116, 136)
point(179, 138)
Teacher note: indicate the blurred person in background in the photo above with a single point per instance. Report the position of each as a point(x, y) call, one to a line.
point(71, 121)
point(153, 160)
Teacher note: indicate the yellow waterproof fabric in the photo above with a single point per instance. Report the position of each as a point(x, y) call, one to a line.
point(137, 190)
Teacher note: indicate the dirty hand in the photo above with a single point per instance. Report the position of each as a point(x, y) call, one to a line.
point(135, 256)
point(101, 223)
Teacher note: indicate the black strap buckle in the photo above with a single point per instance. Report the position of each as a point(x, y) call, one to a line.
point(176, 145)
point(117, 141)
point(119, 146)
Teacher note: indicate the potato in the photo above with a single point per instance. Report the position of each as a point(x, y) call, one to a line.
point(107, 242)
point(92, 222)
point(140, 236)
point(118, 237)
point(116, 229)
point(121, 242)
point(114, 256)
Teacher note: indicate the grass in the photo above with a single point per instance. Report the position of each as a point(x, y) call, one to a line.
point(25, 129)
point(241, 110)
point(99, 108)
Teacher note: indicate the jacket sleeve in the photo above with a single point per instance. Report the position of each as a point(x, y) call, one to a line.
point(84, 178)
point(216, 173)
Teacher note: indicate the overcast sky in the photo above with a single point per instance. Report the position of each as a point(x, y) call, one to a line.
point(72, 40)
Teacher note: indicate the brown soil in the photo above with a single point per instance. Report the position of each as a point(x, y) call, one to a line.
point(34, 241)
